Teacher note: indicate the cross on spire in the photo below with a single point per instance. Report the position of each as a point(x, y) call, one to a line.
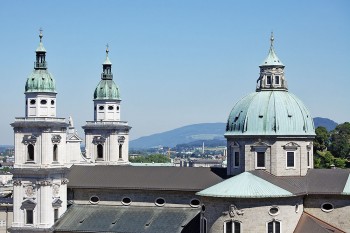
point(41, 34)
point(107, 49)
point(272, 39)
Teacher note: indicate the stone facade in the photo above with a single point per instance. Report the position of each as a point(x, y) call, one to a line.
point(253, 214)
point(275, 150)
point(339, 216)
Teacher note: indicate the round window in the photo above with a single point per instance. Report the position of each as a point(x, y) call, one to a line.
point(52, 102)
point(195, 203)
point(126, 201)
point(203, 208)
point(101, 107)
point(274, 210)
point(160, 201)
point(327, 207)
point(110, 107)
point(32, 101)
point(94, 199)
point(117, 107)
point(43, 101)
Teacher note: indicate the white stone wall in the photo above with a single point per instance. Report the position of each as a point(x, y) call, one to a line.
point(110, 146)
point(110, 111)
point(40, 109)
point(252, 213)
point(275, 155)
point(339, 217)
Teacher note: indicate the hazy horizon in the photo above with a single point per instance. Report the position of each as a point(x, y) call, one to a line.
point(176, 62)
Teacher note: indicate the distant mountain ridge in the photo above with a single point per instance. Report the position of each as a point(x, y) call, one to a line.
point(196, 132)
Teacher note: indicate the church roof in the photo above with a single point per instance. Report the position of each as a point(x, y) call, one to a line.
point(272, 59)
point(311, 224)
point(142, 178)
point(245, 185)
point(260, 184)
point(270, 113)
point(99, 218)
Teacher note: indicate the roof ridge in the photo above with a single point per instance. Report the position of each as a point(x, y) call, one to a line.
point(326, 223)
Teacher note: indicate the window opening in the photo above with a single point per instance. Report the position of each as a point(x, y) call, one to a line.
point(260, 159)
point(120, 151)
point(236, 159)
point(232, 227)
point(274, 210)
point(32, 101)
point(99, 151)
point(268, 80)
point(274, 227)
point(126, 201)
point(94, 199)
point(204, 225)
point(195, 203)
point(30, 152)
point(55, 153)
point(110, 108)
point(101, 107)
point(55, 214)
point(29, 216)
point(277, 80)
point(43, 101)
point(327, 207)
point(52, 102)
point(160, 201)
point(290, 159)
point(308, 158)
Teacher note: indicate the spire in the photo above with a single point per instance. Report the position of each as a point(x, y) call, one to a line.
point(107, 66)
point(40, 63)
point(272, 59)
point(271, 72)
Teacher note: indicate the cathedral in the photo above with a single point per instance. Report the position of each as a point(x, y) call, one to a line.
point(269, 185)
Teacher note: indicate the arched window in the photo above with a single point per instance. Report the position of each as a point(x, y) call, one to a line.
point(120, 151)
point(30, 149)
point(99, 151)
point(232, 227)
point(55, 157)
point(274, 227)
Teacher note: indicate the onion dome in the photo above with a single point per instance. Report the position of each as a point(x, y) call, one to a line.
point(40, 80)
point(271, 110)
point(107, 89)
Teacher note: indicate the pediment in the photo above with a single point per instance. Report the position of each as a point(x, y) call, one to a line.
point(29, 203)
point(57, 202)
point(291, 146)
point(74, 137)
point(260, 144)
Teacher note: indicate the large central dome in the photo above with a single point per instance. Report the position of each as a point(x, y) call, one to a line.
point(270, 113)
point(271, 110)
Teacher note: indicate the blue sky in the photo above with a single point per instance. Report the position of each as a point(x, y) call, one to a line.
point(175, 62)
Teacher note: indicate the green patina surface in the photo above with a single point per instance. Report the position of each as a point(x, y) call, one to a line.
point(107, 89)
point(346, 190)
point(40, 81)
point(270, 113)
point(272, 59)
point(245, 185)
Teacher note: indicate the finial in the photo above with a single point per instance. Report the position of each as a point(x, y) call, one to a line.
point(41, 34)
point(272, 39)
point(107, 49)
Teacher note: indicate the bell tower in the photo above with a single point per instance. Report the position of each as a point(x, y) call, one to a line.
point(40, 170)
point(107, 137)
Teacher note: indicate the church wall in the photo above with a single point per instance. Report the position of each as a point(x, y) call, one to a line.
point(252, 213)
point(138, 197)
point(6, 217)
point(339, 217)
point(275, 155)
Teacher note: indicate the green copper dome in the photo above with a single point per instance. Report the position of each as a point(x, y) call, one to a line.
point(270, 113)
point(107, 90)
point(40, 80)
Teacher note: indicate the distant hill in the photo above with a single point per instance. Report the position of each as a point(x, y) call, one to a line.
point(186, 134)
point(325, 122)
point(200, 132)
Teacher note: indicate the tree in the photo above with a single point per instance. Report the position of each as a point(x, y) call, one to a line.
point(155, 158)
point(340, 140)
point(321, 141)
point(327, 160)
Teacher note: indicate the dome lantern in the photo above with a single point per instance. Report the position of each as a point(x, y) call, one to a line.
point(271, 72)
